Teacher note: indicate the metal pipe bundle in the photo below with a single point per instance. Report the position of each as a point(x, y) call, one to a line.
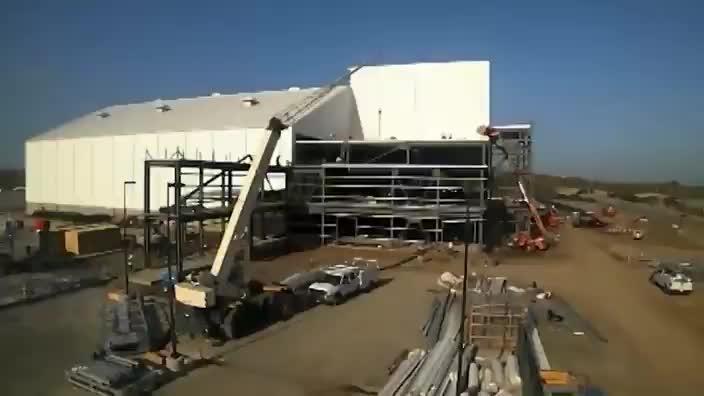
point(512, 375)
point(404, 373)
point(498, 371)
point(473, 378)
point(542, 358)
point(488, 384)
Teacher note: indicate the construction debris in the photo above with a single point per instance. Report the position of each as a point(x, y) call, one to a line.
point(111, 375)
point(448, 280)
point(134, 324)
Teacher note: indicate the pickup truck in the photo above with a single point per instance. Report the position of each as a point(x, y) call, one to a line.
point(339, 282)
point(672, 281)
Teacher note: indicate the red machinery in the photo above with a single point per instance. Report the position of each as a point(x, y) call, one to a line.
point(587, 219)
point(608, 211)
point(552, 218)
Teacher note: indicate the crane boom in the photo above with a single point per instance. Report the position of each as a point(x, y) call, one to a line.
point(237, 226)
point(533, 210)
point(232, 244)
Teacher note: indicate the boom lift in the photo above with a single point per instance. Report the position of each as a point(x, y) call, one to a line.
point(221, 294)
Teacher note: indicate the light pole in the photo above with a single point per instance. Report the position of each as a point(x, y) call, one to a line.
point(460, 347)
point(124, 232)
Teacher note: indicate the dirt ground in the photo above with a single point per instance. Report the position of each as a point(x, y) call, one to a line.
point(327, 350)
point(41, 340)
point(654, 341)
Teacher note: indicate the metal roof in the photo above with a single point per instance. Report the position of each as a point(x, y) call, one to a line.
point(206, 113)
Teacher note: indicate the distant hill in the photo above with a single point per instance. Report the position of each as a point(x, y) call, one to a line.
point(685, 198)
point(10, 178)
point(544, 184)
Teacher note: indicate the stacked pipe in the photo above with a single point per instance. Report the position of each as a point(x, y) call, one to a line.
point(434, 372)
point(494, 377)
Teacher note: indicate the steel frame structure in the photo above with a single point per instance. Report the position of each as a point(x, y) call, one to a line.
point(392, 189)
point(192, 203)
point(396, 190)
point(512, 156)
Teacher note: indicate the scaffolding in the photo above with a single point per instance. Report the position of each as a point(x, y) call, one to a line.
point(392, 190)
point(495, 326)
point(512, 157)
point(337, 190)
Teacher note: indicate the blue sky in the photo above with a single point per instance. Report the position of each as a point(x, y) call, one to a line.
point(614, 87)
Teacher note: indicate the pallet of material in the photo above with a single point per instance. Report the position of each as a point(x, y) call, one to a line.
point(92, 238)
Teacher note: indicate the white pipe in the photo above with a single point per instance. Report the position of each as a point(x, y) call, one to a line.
point(543, 363)
point(488, 383)
point(498, 372)
point(473, 381)
point(512, 376)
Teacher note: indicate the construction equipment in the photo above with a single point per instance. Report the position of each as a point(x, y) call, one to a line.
point(587, 220)
point(524, 241)
point(112, 375)
point(527, 240)
point(220, 295)
point(608, 211)
point(551, 218)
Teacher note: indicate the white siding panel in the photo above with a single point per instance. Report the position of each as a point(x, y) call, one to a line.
point(83, 165)
point(169, 143)
point(285, 147)
point(423, 101)
point(229, 145)
point(49, 172)
point(123, 157)
point(199, 145)
point(334, 118)
point(144, 145)
point(104, 187)
point(66, 173)
point(33, 169)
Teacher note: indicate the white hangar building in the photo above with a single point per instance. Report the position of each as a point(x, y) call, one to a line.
point(80, 166)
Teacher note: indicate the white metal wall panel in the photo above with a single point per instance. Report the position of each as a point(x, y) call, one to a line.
point(335, 118)
point(66, 176)
point(199, 145)
point(123, 166)
point(285, 148)
point(143, 144)
point(104, 187)
point(229, 144)
point(83, 167)
point(33, 169)
point(167, 144)
point(423, 101)
point(49, 172)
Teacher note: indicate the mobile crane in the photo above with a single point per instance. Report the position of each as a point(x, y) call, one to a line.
point(222, 296)
point(523, 240)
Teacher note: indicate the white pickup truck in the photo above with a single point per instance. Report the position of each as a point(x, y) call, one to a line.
point(342, 281)
point(672, 281)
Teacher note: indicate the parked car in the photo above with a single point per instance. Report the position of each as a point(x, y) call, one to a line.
point(672, 281)
point(339, 282)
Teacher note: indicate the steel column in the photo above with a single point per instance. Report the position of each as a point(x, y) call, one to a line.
point(179, 228)
point(201, 200)
point(147, 222)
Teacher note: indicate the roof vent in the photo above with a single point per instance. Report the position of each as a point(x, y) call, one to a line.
point(163, 108)
point(103, 114)
point(249, 101)
point(292, 89)
point(215, 94)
